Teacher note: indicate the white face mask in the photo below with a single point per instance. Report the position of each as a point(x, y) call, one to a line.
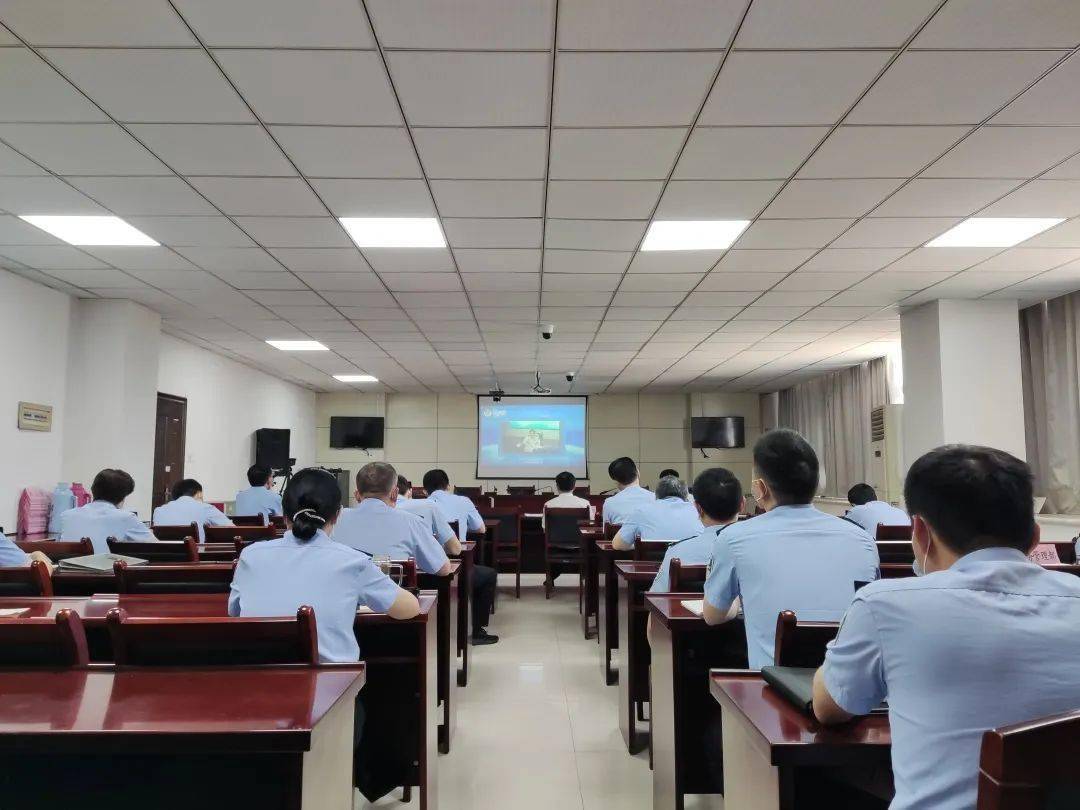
point(919, 568)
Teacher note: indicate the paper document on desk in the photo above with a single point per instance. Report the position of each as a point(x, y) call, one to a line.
point(364, 609)
point(695, 606)
point(101, 563)
point(11, 613)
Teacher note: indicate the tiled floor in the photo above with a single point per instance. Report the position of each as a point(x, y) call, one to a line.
point(537, 727)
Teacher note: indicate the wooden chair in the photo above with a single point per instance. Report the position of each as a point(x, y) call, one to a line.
point(801, 644)
point(44, 642)
point(887, 532)
point(1032, 765)
point(230, 534)
point(277, 523)
point(520, 490)
point(689, 578)
point(582, 491)
point(896, 551)
point(468, 492)
point(562, 544)
point(216, 641)
point(610, 530)
point(178, 578)
point(506, 541)
point(650, 550)
point(249, 520)
point(187, 550)
point(57, 550)
point(176, 532)
point(26, 580)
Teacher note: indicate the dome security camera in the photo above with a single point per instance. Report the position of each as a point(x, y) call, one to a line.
point(547, 330)
point(570, 376)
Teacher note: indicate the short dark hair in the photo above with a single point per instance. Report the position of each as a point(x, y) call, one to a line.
point(403, 484)
point(669, 473)
point(565, 481)
point(376, 478)
point(718, 492)
point(860, 494)
point(188, 486)
point(973, 497)
point(435, 480)
point(112, 486)
point(311, 500)
point(258, 475)
point(788, 464)
point(623, 470)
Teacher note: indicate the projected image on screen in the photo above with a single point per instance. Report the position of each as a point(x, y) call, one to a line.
point(530, 437)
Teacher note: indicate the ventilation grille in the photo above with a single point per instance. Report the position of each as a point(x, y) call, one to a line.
point(877, 425)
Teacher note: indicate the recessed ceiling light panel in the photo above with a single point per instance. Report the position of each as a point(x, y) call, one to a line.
point(298, 345)
point(91, 230)
point(707, 234)
point(993, 231)
point(391, 232)
point(355, 378)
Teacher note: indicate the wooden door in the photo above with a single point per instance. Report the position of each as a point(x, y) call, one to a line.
point(169, 440)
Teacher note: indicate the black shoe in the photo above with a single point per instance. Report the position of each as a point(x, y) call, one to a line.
point(483, 637)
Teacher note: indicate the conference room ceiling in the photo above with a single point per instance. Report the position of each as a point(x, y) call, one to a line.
point(545, 137)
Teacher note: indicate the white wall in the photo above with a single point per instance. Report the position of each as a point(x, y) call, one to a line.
point(227, 403)
point(33, 368)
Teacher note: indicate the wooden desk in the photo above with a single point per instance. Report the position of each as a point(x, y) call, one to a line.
point(634, 579)
point(590, 578)
point(447, 621)
point(486, 553)
point(247, 737)
point(682, 713)
point(607, 621)
point(769, 745)
point(464, 612)
point(88, 583)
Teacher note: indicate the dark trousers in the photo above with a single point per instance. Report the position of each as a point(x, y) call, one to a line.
point(483, 596)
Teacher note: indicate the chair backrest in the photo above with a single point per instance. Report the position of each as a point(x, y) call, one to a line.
point(887, 532)
point(258, 519)
point(403, 572)
point(562, 526)
point(277, 522)
point(174, 578)
point(650, 550)
point(520, 490)
point(611, 529)
point(582, 491)
point(1031, 765)
point(57, 550)
point(228, 534)
point(895, 551)
point(44, 642)
point(175, 532)
point(455, 527)
point(468, 492)
point(213, 641)
point(686, 578)
point(186, 550)
point(26, 580)
point(801, 644)
point(509, 531)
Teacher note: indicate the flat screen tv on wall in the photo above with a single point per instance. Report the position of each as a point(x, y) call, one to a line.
point(356, 432)
point(717, 431)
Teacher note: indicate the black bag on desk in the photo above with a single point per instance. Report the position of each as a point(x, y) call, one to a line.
point(796, 685)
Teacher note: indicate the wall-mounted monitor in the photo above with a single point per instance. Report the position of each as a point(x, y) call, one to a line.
point(356, 432)
point(717, 431)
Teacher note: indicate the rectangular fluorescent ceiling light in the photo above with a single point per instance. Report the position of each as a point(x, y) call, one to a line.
point(91, 230)
point(355, 378)
point(993, 231)
point(298, 345)
point(390, 232)
point(704, 234)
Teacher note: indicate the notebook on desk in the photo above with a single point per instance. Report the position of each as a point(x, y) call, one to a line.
point(99, 563)
point(796, 685)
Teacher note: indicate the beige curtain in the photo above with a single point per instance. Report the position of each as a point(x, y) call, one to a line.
point(1050, 354)
point(833, 413)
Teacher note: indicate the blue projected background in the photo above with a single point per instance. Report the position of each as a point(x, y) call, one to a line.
point(530, 437)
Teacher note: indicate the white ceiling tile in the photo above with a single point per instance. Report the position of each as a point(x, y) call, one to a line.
point(1039, 198)
point(503, 298)
point(482, 153)
point(489, 198)
point(603, 234)
point(789, 88)
point(472, 89)
point(375, 198)
point(909, 281)
point(1003, 24)
point(255, 280)
point(831, 23)
point(295, 231)
point(764, 259)
point(186, 280)
point(925, 258)
point(13, 231)
point(894, 232)
point(321, 259)
point(1008, 152)
point(277, 298)
point(602, 199)
point(592, 298)
point(760, 314)
point(703, 298)
point(880, 151)
point(193, 231)
point(51, 257)
point(720, 281)
point(631, 89)
point(465, 24)
point(209, 149)
point(515, 282)
point(715, 199)
point(830, 198)
point(614, 154)
point(1069, 170)
point(1054, 100)
point(106, 277)
point(343, 282)
point(792, 298)
point(422, 282)
point(586, 261)
point(148, 84)
point(494, 233)
point(1067, 234)
point(349, 151)
point(821, 281)
point(1025, 258)
point(118, 22)
point(791, 233)
point(746, 153)
point(141, 258)
point(260, 196)
point(30, 90)
point(868, 259)
point(410, 260)
point(279, 23)
point(512, 260)
point(663, 262)
point(281, 86)
point(82, 148)
point(647, 299)
point(621, 26)
point(143, 196)
point(15, 165)
point(640, 282)
point(43, 195)
point(943, 198)
point(235, 259)
point(949, 87)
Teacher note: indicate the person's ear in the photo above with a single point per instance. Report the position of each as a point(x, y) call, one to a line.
point(700, 511)
point(921, 537)
point(1036, 537)
point(356, 495)
point(742, 507)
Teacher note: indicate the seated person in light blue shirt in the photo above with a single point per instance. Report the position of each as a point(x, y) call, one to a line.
point(375, 527)
point(103, 518)
point(187, 506)
point(631, 495)
point(431, 513)
point(720, 499)
point(259, 498)
point(669, 517)
point(869, 512)
point(793, 557)
point(11, 556)
point(675, 474)
point(980, 638)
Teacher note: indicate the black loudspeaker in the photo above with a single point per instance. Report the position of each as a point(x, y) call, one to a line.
point(272, 448)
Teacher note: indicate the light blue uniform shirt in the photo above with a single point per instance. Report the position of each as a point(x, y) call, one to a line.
point(100, 520)
point(459, 508)
point(11, 556)
point(431, 513)
point(691, 551)
point(380, 530)
point(669, 518)
point(869, 515)
point(185, 510)
point(791, 558)
point(277, 577)
point(257, 501)
point(991, 641)
point(619, 507)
